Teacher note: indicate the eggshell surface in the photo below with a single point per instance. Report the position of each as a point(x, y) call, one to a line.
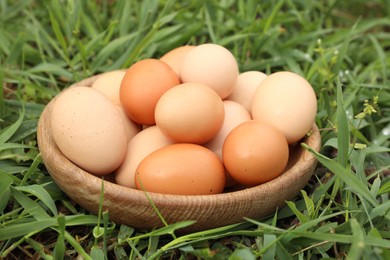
point(142, 86)
point(235, 114)
point(145, 142)
point(109, 84)
point(131, 128)
point(181, 169)
point(255, 152)
point(190, 113)
point(174, 58)
point(245, 88)
point(89, 130)
point(287, 101)
point(212, 65)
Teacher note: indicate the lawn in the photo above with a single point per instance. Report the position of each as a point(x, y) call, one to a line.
point(341, 47)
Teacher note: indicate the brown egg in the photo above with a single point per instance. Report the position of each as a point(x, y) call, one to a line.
point(142, 86)
point(141, 145)
point(190, 113)
point(287, 101)
point(255, 152)
point(174, 58)
point(109, 83)
point(181, 169)
point(212, 65)
point(89, 130)
point(245, 87)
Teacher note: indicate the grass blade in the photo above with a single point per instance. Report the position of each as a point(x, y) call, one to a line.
point(357, 248)
point(5, 193)
point(7, 133)
point(59, 248)
point(309, 204)
point(271, 17)
point(42, 194)
point(8, 146)
point(58, 32)
point(281, 252)
point(269, 243)
point(22, 229)
point(342, 129)
point(30, 206)
point(302, 218)
point(345, 175)
point(76, 245)
point(2, 106)
point(39, 248)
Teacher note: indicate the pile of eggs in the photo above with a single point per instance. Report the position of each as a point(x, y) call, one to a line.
point(188, 123)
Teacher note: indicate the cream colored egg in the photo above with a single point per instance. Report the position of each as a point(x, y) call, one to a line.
point(245, 87)
point(109, 83)
point(235, 114)
point(131, 127)
point(145, 142)
point(287, 101)
point(212, 65)
point(89, 130)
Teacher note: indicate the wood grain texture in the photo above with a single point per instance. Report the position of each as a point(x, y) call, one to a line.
point(131, 207)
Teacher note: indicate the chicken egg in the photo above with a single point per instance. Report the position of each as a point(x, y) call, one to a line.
point(142, 86)
point(190, 113)
point(212, 65)
point(174, 58)
point(287, 101)
point(245, 87)
point(141, 145)
point(131, 128)
point(235, 114)
point(181, 169)
point(255, 152)
point(109, 83)
point(88, 130)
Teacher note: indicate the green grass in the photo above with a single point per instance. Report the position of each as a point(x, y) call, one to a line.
point(341, 47)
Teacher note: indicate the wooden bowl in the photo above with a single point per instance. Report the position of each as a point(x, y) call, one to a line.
point(131, 207)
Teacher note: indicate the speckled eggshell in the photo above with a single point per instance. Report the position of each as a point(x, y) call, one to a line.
point(89, 130)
